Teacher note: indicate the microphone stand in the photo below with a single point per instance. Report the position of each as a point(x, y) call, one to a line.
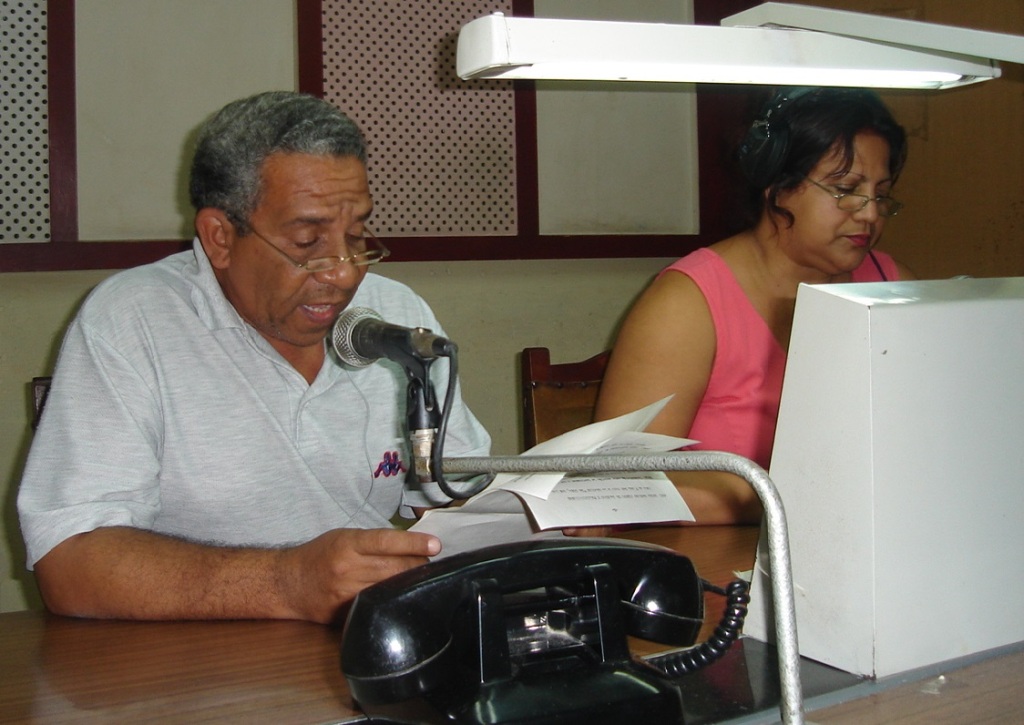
point(791, 701)
point(423, 415)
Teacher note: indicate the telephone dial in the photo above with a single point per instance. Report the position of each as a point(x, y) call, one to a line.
point(533, 632)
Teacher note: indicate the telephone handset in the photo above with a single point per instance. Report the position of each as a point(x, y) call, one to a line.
point(531, 632)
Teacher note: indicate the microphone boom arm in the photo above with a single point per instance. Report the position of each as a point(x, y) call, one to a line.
point(783, 601)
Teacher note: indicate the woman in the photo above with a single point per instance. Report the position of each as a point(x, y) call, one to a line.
point(713, 328)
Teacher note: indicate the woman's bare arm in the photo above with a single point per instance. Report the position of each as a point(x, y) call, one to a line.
point(667, 347)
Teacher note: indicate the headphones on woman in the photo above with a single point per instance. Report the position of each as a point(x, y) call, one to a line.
point(763, 150)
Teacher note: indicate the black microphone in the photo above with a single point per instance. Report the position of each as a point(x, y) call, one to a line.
point(360, 337)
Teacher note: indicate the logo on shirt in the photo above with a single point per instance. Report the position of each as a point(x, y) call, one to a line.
point(390, 465)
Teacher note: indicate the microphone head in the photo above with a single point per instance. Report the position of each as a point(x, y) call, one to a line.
point(341, 335)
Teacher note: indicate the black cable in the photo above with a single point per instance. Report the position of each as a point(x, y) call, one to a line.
point(878, 266)
point(437, 452)
point(675, 664)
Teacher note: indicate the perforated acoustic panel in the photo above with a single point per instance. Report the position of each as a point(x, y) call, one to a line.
point(441, 151)
point(24, 153)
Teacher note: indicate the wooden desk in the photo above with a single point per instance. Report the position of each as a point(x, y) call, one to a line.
point(987, 691)
point(54, 669)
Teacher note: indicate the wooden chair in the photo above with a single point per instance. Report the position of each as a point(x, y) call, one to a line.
point(557, 398)
point(40, 389)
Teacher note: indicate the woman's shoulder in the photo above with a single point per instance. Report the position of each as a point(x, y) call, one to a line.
point(698, 259)
point(712, 269)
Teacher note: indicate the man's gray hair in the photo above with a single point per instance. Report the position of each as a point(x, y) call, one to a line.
point(236, 141)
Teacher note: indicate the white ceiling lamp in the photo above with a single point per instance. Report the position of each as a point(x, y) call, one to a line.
point(741, 51)
point(931, 37)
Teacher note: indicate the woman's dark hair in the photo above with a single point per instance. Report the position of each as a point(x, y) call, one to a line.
point(235, 142)
point(817, 124)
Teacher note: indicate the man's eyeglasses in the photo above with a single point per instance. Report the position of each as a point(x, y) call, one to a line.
point(887, 206)
point(360, 257)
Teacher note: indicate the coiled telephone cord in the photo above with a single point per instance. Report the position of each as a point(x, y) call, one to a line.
point(683, 662)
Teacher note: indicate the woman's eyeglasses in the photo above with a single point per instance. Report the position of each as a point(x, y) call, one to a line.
point(887, 206)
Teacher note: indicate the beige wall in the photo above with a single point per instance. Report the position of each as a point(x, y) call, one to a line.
point(200, 55)
point(34, 308)
point(964, 189)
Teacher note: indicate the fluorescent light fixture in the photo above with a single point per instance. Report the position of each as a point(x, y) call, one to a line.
point(915, 34)
point(497, 46)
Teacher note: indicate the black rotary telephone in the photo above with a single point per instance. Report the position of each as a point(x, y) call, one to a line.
point(532, 632)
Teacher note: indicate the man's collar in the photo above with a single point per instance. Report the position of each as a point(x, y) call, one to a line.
point(212, 307)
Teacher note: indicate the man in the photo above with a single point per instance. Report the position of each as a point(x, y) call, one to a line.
point(200, 456)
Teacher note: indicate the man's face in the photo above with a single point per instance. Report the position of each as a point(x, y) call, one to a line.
point(310, 206)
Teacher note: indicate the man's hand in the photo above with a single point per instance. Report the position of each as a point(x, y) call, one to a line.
point(318, 577)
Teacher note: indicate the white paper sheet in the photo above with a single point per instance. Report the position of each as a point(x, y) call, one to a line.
point(521, 506)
